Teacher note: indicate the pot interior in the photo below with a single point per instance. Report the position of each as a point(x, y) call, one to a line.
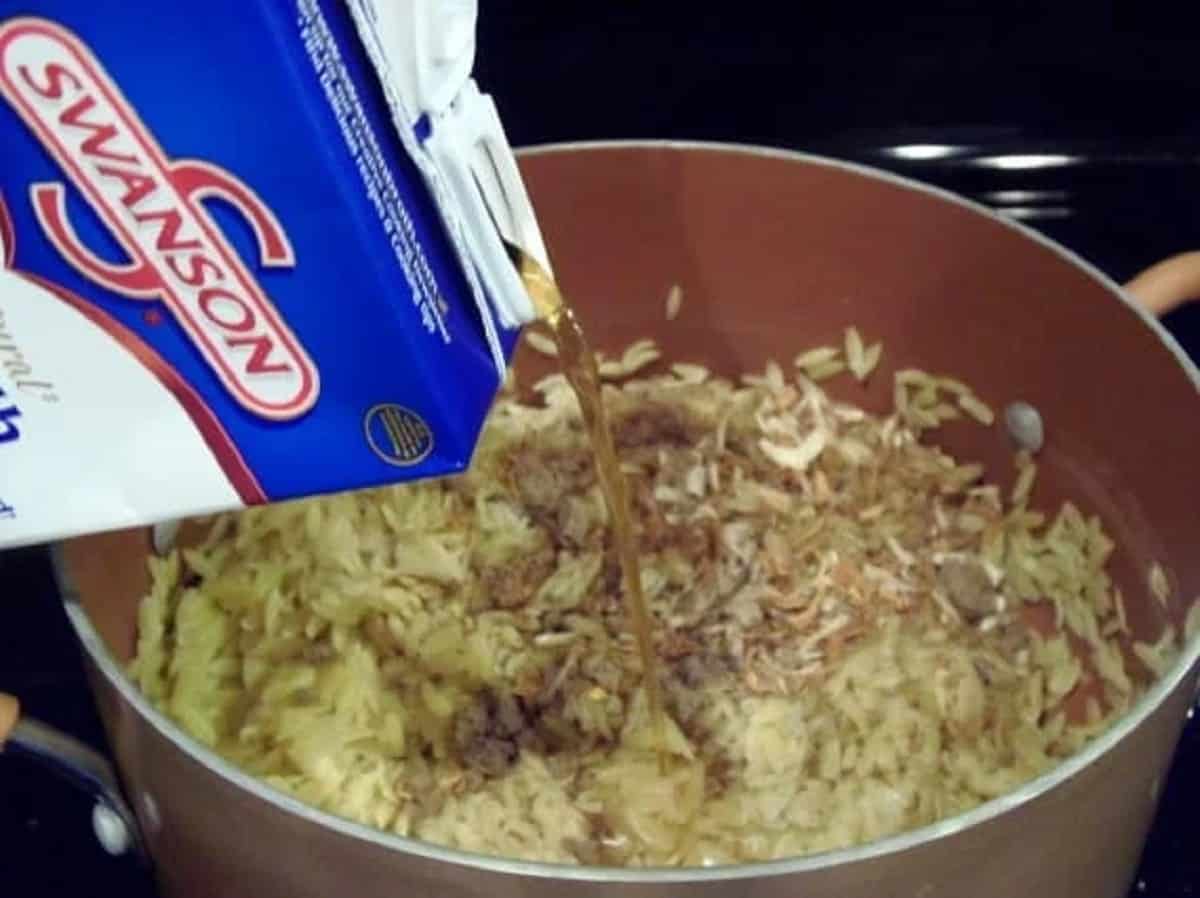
point(776, 254)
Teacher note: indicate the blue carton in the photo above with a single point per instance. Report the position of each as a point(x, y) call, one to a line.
point(240, 259)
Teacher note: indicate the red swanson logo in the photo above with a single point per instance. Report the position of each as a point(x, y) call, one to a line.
point(152, 205)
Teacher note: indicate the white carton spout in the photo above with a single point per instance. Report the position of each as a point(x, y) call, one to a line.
point(423, 51)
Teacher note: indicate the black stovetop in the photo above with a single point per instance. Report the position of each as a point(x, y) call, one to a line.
point(1082, 125)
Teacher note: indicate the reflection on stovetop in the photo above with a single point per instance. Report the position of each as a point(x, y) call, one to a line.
point(1121, 206)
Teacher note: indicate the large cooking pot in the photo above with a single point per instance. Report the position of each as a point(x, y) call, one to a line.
point(775, 252)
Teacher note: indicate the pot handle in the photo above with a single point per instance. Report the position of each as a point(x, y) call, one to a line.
point(113, 822)
point(1167, 285)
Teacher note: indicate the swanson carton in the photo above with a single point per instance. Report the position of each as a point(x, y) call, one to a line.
point(251, 251)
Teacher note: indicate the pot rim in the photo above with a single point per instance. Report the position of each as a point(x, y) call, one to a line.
point(1148, 703)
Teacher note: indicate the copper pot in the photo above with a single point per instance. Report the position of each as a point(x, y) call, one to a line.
point(775, 252)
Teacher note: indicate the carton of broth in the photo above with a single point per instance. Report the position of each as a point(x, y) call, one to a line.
point(250, 252)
